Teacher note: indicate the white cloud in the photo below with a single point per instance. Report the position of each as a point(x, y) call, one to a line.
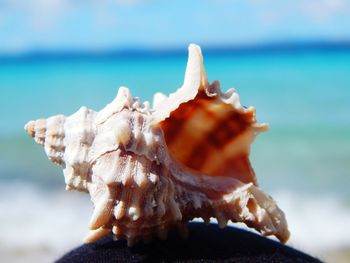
point(314, 10)
point(38, 5)
point(323, 10)
point(129, 2)
point(40, 14)
point(43, 15)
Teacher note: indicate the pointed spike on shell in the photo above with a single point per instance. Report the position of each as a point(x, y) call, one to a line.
point(123, 100)
point(97, 234)
point(122, 133)
point(158, 98)
point(119, 210)
point(206, 219)
point(222, 220)
point(134, 213)
point(124, 95)
point(117, 231)
point(102, 212)
point(195, 79)
point(195, 68)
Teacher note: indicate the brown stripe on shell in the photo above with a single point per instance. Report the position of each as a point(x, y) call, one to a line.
point(225, 131)
point(173, 125)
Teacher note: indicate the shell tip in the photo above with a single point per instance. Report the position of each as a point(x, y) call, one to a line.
point(29, 128)
point(194, 46)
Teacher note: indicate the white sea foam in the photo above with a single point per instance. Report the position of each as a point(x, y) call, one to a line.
point(43, 225)
point(317, 223)
point(40, 225)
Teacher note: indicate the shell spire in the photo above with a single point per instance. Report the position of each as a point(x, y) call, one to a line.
point(49, 133)
point(150, 169)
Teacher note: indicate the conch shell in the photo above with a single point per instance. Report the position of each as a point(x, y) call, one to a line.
point(150, 169)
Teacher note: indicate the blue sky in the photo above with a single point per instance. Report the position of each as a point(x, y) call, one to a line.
point(111, 24)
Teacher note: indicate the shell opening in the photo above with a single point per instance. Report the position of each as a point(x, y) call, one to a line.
point(211, 137)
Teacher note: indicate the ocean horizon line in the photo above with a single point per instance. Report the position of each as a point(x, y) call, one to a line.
point(129, 52)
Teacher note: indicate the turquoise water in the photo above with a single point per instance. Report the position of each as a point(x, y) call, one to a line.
point(303, 161)
point(305, 96)
point(304, 89)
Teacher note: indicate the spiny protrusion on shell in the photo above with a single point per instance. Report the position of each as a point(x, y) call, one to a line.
point(151, 169)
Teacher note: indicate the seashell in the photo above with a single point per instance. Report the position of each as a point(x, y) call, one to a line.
point(151, 169)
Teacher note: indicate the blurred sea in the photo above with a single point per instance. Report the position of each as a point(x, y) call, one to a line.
point(303, 161)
